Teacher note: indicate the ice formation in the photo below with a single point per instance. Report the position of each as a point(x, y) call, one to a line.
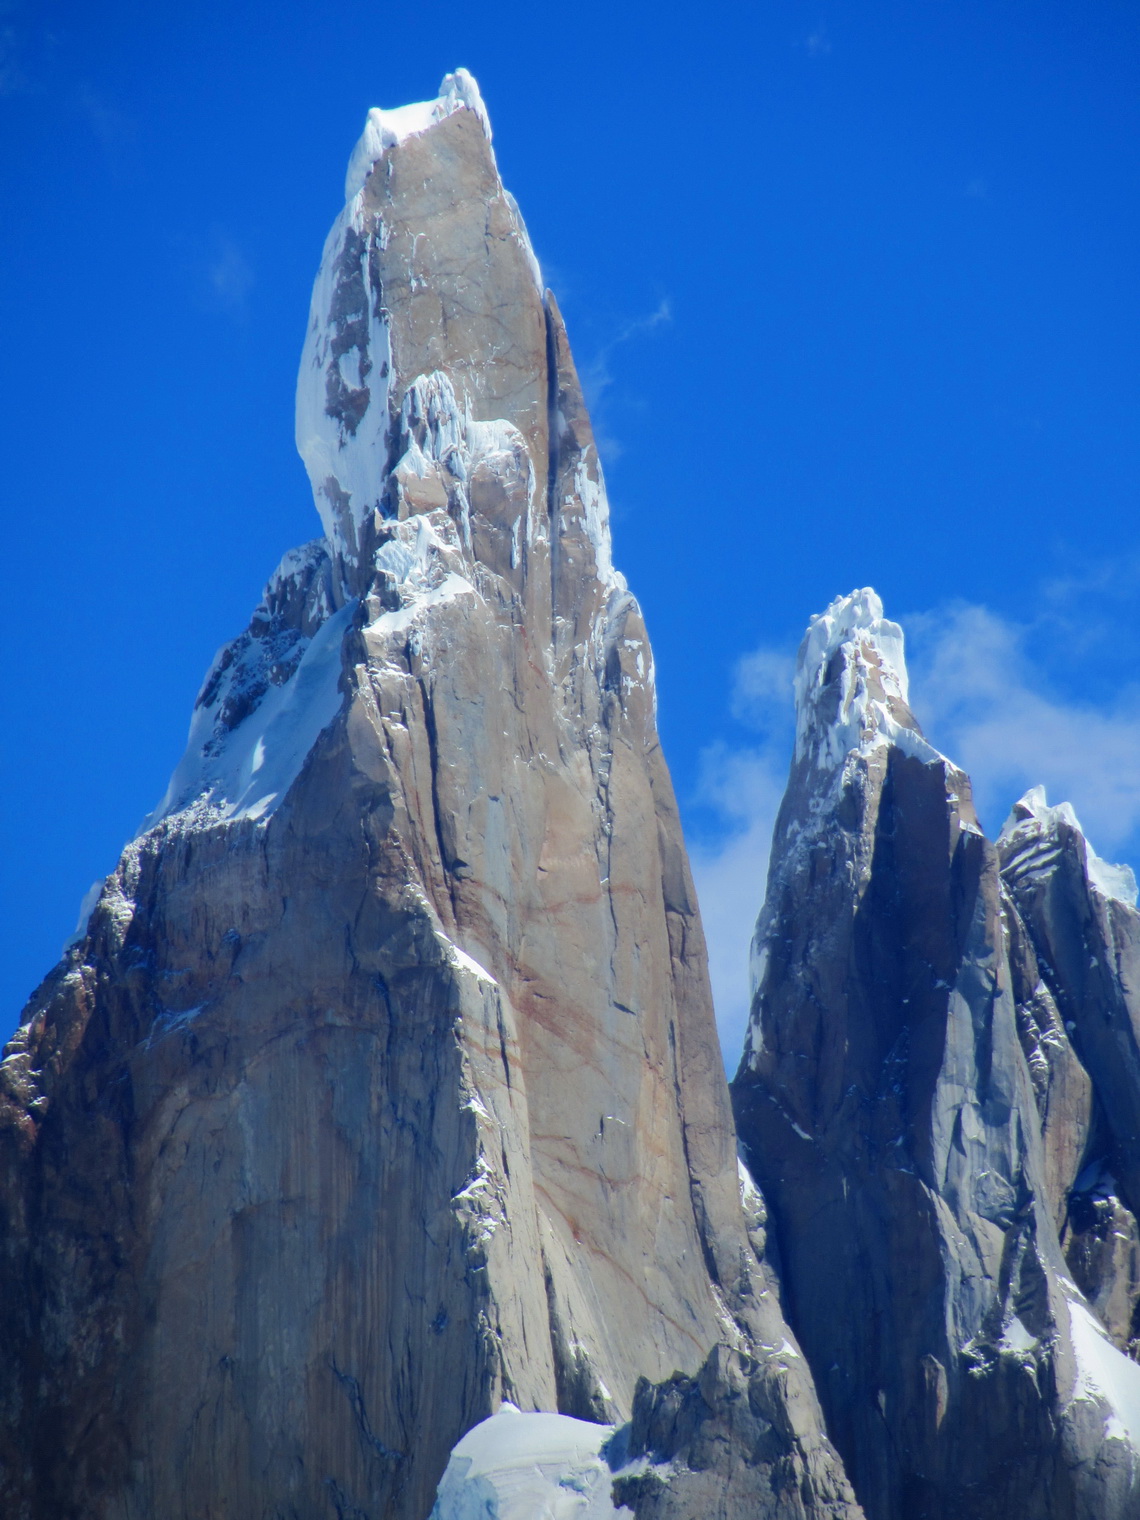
point(851, 685)
point(518, 1466)
point(1031, 832)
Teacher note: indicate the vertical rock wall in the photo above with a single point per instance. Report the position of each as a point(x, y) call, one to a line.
point(916, 1116)
point(383, 1085)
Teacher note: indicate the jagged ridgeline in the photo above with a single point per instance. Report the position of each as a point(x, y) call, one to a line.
point(940, 1098)
point(380, 1093)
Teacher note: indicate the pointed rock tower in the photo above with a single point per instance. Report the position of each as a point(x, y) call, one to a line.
point(916, 1116)
point(383, 1085)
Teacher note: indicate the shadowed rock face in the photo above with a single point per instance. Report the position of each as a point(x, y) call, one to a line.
point(916, 1117)
point(383, 1084)
point(1078, 962)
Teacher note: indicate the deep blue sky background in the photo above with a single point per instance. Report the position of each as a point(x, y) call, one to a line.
point(854, 286)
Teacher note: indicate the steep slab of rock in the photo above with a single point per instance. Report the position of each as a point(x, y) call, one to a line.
point(889, 1114)
point(383, 1084)
point(1079, 936)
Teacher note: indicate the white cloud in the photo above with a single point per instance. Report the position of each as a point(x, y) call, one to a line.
point(981, 699)
point(745, 786)
point(229, 276)
point(987, 705)
point(596, 376)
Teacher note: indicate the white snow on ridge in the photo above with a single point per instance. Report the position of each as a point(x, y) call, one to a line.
point(384, 129)
point(252, 769)
point(1033, 826)
point(86, 908)
point(518, 1466)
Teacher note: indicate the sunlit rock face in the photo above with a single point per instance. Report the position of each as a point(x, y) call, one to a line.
point(931, 1071)
point(382, 1085)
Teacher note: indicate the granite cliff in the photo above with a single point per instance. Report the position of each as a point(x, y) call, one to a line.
point(939, 1100)
point(380, 1093)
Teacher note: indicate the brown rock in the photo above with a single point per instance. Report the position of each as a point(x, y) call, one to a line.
point(384, 1084)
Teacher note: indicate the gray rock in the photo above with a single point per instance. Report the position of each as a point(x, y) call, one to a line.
point(728, 1442)
point(383, 1085)
point(890, 1116)
point(1081, 932)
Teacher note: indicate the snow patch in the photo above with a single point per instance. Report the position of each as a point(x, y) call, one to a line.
point(464, 962)
point(1031, 836)
point(341, 425)
point(86, 908)
point(1015, 1337)
point(247, 773)
point(517, 1466)
point(1105, 1376)
point(400, 620)
point(750, 1195)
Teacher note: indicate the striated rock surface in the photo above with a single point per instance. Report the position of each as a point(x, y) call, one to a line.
point(1077, 963)
point(382, 1085)
point(918, 1118)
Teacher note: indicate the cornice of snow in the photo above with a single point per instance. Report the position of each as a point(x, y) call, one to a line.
point(851, 685)
point(384, 129)
point(1033, 835)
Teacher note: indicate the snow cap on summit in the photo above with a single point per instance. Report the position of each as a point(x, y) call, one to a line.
point(383, 129)
point(851, 684)
point(1030, 833)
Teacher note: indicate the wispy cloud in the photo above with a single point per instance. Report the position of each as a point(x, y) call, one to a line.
point(220, 273)
point(742, 785)
point(230, 276)
point(988, 704)
point(113, 129)
point(597, 374)
point(817, 43)
point(745, 787)
point(984, 689)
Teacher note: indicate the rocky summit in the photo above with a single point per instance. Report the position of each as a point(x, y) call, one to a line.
point(939, 1100)
point(369, 1155)
point(380, 1096)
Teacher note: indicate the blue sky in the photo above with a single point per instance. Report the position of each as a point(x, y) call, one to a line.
point(854, 287)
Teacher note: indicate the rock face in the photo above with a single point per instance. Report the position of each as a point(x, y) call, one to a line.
point(383, 1086)
point(938, 1100)
point(1076, 955)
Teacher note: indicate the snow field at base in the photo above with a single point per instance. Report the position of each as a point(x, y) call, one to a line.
point(517, 1466)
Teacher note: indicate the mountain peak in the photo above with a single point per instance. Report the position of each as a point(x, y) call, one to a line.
point(427, 270)
point(384, 129)
point(1029, 840)
point(851, 684)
